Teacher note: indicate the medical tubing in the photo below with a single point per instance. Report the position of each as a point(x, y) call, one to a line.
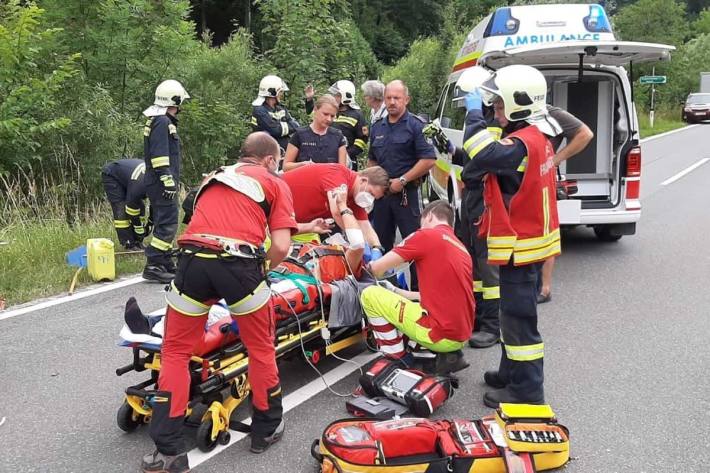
point(303, 349)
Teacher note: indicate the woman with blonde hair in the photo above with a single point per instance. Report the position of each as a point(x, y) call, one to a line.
point(317, 142)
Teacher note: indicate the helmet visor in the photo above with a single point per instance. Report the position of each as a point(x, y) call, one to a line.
point(489, 90)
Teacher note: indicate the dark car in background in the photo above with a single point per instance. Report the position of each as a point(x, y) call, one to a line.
point(696, 108)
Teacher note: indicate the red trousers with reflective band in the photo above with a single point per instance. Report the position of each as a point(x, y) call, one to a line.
point(182, 333)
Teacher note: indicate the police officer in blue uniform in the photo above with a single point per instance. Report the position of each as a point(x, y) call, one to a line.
point(124, 185)
point(398, 145)
point(269, 115)
point(161, 145)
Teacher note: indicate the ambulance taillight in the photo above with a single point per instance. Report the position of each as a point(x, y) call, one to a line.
point(633, 178)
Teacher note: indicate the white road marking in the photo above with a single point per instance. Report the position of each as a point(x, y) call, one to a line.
point(685, 171)
point(293, 400)
point(2, 421)
point(61, 300)
point(661, 135)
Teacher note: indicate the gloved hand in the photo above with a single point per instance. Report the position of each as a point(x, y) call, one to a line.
point(169, 187)
point(473, 101)
point(450, 147)
point(376, 253)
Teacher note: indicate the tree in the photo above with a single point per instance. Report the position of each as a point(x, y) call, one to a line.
point(32, 81)
point(702, 24)
point(653, 21)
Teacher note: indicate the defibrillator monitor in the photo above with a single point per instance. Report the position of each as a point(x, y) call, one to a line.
point(398, 383)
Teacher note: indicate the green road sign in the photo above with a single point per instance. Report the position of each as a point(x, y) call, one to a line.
point(652, 79)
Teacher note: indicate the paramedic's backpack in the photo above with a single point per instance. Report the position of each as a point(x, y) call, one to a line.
point(519, 438)
point(325, 262)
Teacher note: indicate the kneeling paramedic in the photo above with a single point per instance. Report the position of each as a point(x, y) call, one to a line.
point(519, 222)
point(125, 191)
point(222, 256)
point(443, 321)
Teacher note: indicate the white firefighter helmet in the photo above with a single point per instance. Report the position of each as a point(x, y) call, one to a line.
point(346, 90)
point(470, 80)
point(270, 86)
point(169, 93)
point(523, 90)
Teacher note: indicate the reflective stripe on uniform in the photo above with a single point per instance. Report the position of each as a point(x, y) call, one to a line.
point(525, 352)
point(160, 161)
point(284, 129)
point(160, 244)
point(492, 292)
point(526, 244)
point(360, 143)
point(347, 120)
point(132, 212)
point(523, 164)
point(500, 241)
point(477, 142)
point(138, 229)
point(121, 224)
point(185, 304)
point(254, 122)
point(496, 131)
point(140, 169)
point(146, 128)
point(254, 301)
point(554, 249)
point(477, 286)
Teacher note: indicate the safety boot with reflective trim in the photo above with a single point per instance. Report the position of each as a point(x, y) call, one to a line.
point(158, 273)
point(156, 462)
point(260, 444)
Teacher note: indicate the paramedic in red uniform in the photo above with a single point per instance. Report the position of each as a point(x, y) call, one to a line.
point(310, 186)
point(222, 256)
point(519, 222)
point(443, 321)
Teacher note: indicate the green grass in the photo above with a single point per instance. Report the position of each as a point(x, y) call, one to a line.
point(32, 264)
point(663, 122)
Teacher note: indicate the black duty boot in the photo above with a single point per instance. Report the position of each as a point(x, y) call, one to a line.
point(493, 379)
point(156, 462)
point(158, 273)
point(260, 444)
point(134, 317)
point(493, 399)
point(483, 340)
point(450, 362)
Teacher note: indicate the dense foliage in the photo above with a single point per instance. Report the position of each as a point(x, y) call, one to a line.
point(76, 74)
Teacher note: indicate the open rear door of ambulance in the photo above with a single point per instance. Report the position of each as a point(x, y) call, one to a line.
point(598, 94)
point(603, 53)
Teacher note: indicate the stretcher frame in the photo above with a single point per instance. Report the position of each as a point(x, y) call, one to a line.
point(219, 379)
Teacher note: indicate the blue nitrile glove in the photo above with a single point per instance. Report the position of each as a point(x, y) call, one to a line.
point(473, 101)
point(450, 147)
point(376, 254)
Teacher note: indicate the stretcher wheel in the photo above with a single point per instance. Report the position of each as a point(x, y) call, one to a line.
point(204, 437)
point(224, 437)
point(127, 419)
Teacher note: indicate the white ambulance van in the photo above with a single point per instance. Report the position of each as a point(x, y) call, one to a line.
point(587, 75)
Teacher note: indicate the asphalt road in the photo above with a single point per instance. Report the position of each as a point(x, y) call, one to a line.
point(626, 335)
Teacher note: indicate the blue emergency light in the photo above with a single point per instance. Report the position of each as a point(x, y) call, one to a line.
point(502, 24)
point(597, 21)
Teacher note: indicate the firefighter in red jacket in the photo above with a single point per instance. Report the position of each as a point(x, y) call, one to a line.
point(519, 222)
point(222, 257)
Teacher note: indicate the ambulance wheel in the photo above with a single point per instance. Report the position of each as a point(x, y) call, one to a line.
point(204, 437)
point(603, 233)
point(125, 419)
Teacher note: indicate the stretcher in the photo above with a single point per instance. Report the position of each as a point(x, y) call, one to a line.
point(218, 367)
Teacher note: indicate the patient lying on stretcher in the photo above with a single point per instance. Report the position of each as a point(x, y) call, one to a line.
point(326, 277)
